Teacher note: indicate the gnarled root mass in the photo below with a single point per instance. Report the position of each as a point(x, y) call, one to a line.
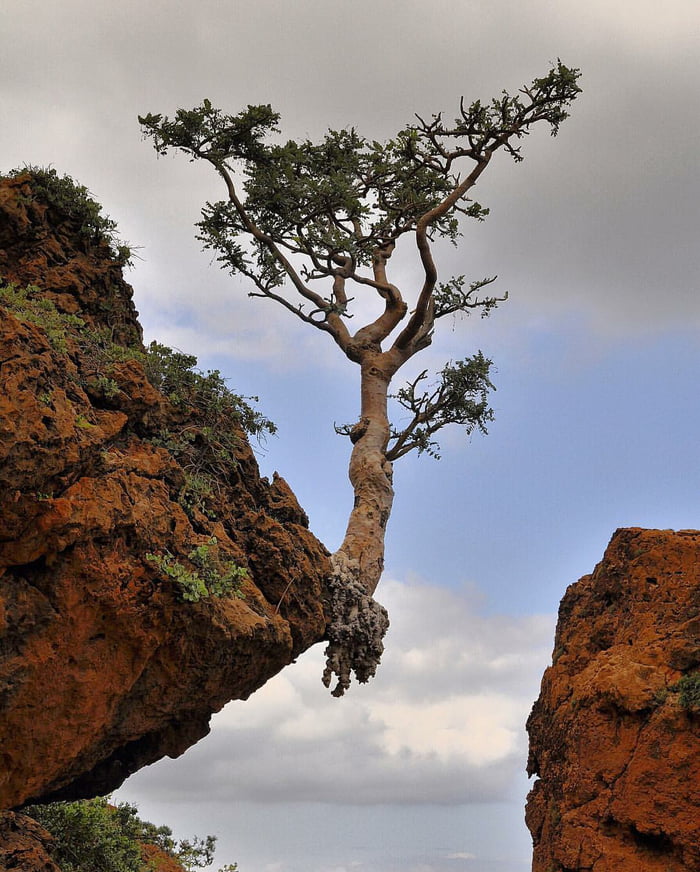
point(357, 628)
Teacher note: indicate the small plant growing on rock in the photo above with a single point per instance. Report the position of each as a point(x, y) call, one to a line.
point(74, 201)
point(175, 375)
point(104, 386)
point(688, 688)
point(82, 422)
point(212, 576)
point(30, 306)
point(205, 444)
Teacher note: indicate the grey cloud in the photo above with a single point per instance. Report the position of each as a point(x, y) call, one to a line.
point(441, 724)
point(251, 766)
point(600, 223)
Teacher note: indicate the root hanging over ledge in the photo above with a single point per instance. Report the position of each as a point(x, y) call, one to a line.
point(357, 627)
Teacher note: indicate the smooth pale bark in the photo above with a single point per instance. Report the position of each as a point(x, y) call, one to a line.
point(371, 477)
point(358, 622)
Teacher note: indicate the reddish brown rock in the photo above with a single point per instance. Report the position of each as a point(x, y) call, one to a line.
point(155, 859)
point(41, 245)
point(613, 741)
point(24, 845)
point(103, 669)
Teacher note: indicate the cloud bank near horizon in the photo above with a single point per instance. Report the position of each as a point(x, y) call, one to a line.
point(442, 724)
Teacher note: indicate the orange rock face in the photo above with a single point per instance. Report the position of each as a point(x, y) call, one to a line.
point(24, 845)
point(615, 733)
point(103, 667)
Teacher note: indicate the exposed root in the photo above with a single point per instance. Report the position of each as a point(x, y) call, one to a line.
point(358, 625)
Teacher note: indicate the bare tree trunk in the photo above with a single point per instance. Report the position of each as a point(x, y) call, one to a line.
point(371, 477)
point(358, 622)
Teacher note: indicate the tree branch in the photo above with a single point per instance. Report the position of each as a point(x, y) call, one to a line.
point(333, 324)
point(421, 320)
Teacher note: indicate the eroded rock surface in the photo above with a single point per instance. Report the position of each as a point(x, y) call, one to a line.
point(24, 845)
point(103, 667)
point(614, 738)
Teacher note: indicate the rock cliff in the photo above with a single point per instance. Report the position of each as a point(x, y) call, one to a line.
point(24, 845)
point(615, 733)
point(124, 500)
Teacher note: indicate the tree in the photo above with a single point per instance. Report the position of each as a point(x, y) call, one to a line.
point(308, 224)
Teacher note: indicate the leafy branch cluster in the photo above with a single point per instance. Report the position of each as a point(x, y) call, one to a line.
point(460, 397)
point(211, 577)
point(73, 201)
point(346, 196)
point(96, 836)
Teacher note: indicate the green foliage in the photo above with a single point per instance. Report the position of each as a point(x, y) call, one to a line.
point(104, 386)
point(88, 837)
point(206, 444)
point(82, 422)
point(309, 219)
point(451, 297)
point(485, 125)
point(29, 305)
point(207, 132)
point(212, 575)
point(688, 688)
point(460, 397)
point(95, 836)
point(345, 196)
point(176, 376)
point(73, 201)
point(199, 495)
point(195, 853)
point(660, 696)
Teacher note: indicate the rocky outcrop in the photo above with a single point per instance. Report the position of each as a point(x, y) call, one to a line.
point(43, 244)
point(104, 513)
point(615, 733)
point(24, 845)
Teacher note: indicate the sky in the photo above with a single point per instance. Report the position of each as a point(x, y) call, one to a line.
point(594, 236)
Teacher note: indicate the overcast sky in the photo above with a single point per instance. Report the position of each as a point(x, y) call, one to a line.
point(595, 238)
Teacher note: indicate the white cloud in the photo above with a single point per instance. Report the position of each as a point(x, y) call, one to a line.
point(443, 722)
point(479, 729)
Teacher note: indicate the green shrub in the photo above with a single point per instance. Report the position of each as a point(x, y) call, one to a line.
point(95, 836)
point(88, 836)
point(175, 375)
point(211, 576)
point(205, 445)
point(104, 386)
point(29, 305)
point(198, 495)
point(73, 201)
point(689, 689)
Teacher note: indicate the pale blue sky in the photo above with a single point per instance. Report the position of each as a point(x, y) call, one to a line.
point(595, 238)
